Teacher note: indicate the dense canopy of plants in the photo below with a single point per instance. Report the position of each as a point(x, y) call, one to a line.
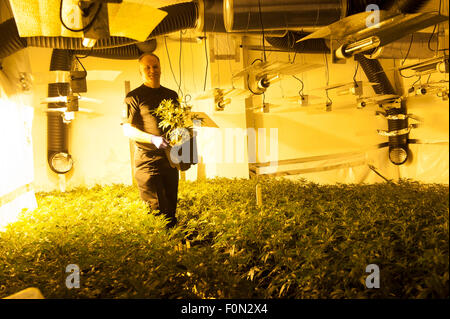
point(305, 241)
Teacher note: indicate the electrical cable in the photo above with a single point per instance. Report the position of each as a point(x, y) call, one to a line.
point(406, 77)
point(170, 63)
point(290, 46)
point(78, 59)
point(418, 79)
point(85, 27)
point(229, 61)
point(206, 51)
point(262, 30)
point(409, 48)
point(87, 55)
point(328, 79)
point(430, 38)
point(300, 92)
point(207, 62)
point(432, 33)
point(356, 72)
point(179, 61)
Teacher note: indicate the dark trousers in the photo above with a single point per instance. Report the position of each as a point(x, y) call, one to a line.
point(157, 182)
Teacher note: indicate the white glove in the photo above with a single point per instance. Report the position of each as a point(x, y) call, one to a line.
point(160, 142)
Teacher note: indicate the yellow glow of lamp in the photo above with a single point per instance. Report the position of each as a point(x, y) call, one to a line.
point(131, 18)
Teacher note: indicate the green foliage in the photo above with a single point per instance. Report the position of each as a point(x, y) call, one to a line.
point(305, 241)
point(175, 118)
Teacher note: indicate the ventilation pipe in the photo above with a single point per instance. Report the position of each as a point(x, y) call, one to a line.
point(394, 50)
point(418, 48)
point(180, 16)
point(253, 15)
point(395, 113)
point(59, 159)
point(289, 43)
point(403, 6)
point(128, 52)
point(11, 42)
point(242, 16)
point(406, 6)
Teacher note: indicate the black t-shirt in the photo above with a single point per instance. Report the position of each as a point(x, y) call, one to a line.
point(140, 102)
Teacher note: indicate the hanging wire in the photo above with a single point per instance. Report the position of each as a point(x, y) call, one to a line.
point(186, 99)
point(418, 79)
point(356, 72)
point(85, 27)
point(229, 61)
point(207, 62)
point(328, 78)
point(179, 61)
point(170, 64)
point(406, 77)
point(432, 33)
point(262, 30)
point(409, 48)
point(87, 55)
point(78, 59)
point(300, 92)
point(193, 68)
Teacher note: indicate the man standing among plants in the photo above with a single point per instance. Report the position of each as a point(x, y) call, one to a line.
point(157, 180)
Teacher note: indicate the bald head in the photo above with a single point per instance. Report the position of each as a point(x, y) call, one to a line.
point(147, 53)
point(150, 70)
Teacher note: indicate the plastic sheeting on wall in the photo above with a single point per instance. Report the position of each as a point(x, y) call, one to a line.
point(16, 160)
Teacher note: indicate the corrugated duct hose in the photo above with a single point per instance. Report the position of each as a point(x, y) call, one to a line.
point(403, 6)
point(11, 42)
point(288, 43)
point(180, 16)
point(398, 144)
point(56, 129)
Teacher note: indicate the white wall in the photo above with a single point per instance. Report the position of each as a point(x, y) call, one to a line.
point(16, 152)
point(305, 132)
point(101, 153)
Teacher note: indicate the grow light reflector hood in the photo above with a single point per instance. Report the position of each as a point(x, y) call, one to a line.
point(133, 19)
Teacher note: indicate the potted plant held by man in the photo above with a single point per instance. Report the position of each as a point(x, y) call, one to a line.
point(176, 123)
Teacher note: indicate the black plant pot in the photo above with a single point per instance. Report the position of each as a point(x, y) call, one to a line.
point(183, 155)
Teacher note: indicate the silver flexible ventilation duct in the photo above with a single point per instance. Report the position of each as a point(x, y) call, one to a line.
point(254, 15)
point(58, 156)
